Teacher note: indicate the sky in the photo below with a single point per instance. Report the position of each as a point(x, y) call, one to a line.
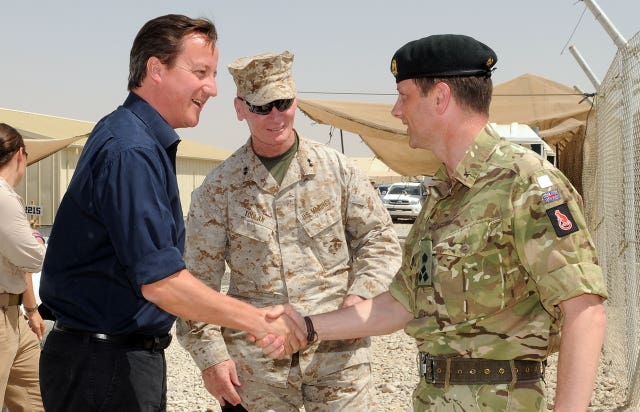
point(70, 58)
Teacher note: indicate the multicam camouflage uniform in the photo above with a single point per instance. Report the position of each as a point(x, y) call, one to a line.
point(485, 266)
point(320, 235)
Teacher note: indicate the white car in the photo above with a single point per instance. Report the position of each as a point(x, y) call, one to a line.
point(404, 200)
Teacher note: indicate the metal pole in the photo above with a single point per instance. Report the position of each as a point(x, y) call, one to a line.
point(585, 67)
point(341, 141)
point(602, 18)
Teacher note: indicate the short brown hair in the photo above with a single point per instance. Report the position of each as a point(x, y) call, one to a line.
point(162, 38)
point(472, 92)
point(10, 142)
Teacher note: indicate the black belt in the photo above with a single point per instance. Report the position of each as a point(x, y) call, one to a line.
point(147, 342)
point(465, 371)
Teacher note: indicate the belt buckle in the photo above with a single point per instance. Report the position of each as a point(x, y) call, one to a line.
point(160, 343)
point(155, 344)
point(427, 369)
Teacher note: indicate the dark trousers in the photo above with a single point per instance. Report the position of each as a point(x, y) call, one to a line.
point(233, 408)
point(80, 374)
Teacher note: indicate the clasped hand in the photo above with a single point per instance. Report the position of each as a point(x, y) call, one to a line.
point(275, 346)
point(282, 333)
point(276, 343)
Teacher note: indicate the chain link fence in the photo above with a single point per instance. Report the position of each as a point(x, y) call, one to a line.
point(611, 185)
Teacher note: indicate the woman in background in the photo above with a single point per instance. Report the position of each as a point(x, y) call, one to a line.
point(21, 252)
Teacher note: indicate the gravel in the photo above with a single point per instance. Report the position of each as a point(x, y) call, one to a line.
point(394, 374)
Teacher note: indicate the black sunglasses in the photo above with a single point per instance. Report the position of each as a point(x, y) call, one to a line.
point(280, 104)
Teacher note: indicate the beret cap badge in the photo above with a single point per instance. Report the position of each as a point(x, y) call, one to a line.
point(394, 67)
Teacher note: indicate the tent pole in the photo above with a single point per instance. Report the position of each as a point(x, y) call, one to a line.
point(341, 141)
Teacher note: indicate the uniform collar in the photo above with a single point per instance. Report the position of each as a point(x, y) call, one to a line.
point(476, 156)
point(307, 159)
point(302, 167)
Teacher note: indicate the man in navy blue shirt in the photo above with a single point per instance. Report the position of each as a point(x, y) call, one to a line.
point(113, 274)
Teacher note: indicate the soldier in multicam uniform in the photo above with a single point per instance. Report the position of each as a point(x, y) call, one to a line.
point(297, 223)
point(499, 270)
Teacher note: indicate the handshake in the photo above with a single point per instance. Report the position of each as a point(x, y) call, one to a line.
point(286, 331)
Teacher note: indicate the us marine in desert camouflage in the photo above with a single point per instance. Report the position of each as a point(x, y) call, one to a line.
point(297, 223)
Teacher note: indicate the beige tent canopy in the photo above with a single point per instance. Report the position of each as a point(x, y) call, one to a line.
point(553, 108)
point(39, 149)
point(532, 100)
point(55, 144)
point(45, 135)
point(384, 134)
point(190, 149)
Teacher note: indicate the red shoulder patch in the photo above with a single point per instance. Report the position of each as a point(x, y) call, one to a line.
point(562, 220)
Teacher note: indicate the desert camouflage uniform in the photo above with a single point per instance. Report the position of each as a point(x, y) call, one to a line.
point(484, 269)
point(320, 235)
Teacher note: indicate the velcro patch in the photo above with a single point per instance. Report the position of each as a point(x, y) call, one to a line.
point(562, 220)
point(551, 196)
point(544, 181)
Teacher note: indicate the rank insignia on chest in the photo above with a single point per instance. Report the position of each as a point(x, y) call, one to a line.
point(562, 220)
point(423, 277)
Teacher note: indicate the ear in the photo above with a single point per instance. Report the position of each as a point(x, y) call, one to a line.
point(442, 97)
point(237, 103)
point(20, 156)
point(155, 69)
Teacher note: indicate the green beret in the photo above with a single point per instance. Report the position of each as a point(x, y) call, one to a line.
point(443, 55)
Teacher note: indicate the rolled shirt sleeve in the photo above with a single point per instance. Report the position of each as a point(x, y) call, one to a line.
point(137, 214)
point(19, 250)
point(552, 239)
point(18, 245)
